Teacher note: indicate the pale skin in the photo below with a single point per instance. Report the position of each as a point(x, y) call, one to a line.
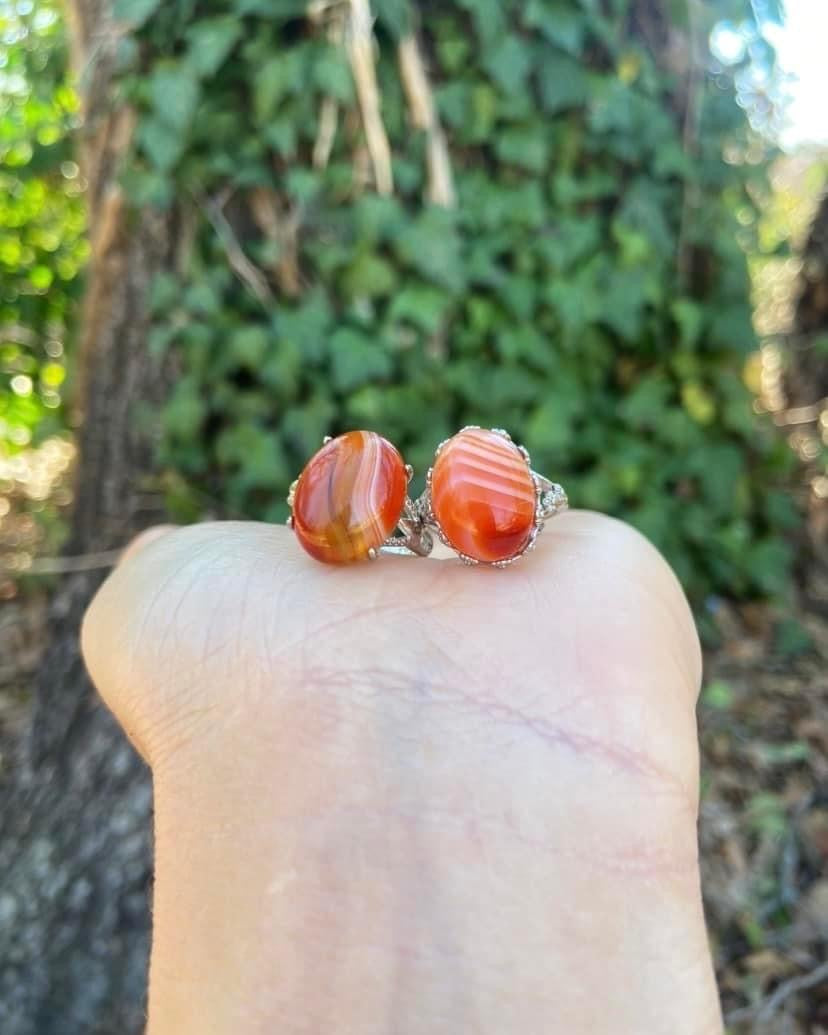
point(409, 796)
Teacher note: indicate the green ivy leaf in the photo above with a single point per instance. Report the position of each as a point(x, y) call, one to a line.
point(689, 317)
point(136, 12)
point(332, 74)
point(508, 63)
point(430, 245)
point(305, 426)
point(308, 325)
point(249, 345)
point(165, 292)
point(731, 327)
point(174, 92)
point(395, 16)
point(202, 298)
point(698, 402)
point(161, 143)
point(563, 83)
point(625, 294)
point(489, 19)
point(420, 305)
point(185, 411)
point(281, 135)
point(453, 52)
point(274, 80)
point(560, 23)
point(277, 10)
point(550, 427)
point(210, 41)
point(255, 450)
point(525, 147)
point(368, 276)
point(357, 360)
point(645, 405)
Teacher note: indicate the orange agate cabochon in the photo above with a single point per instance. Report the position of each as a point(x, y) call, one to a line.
point(349, 497)
point(483, 495)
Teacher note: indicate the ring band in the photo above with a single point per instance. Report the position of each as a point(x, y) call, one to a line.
point(482, 499)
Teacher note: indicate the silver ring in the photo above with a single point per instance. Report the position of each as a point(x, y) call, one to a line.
point(482, 500)
point(540, 498)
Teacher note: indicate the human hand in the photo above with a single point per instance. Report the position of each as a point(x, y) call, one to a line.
point(411, 796)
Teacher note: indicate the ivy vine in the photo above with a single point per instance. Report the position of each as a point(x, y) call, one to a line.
point(474, 211)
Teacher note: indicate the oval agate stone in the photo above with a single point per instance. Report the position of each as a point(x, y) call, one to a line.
point(483, 495)
point(349, 497)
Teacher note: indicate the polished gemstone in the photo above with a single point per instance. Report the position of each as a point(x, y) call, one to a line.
point(483, 495)
point(349, 497)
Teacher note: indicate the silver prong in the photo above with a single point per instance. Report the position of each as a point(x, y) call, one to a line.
point(524, 452)
point(409, 471)
point(372, 554)
point(327, 439)
point(292, 492)
point(289, 521)
point(503, 432)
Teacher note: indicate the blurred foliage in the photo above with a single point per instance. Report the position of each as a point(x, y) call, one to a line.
point(589, 291)
point(42, 244)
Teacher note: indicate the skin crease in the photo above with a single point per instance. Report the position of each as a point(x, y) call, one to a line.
point(411, 796)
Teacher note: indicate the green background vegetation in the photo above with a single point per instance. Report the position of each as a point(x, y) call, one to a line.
point(42, 243)
point(588, 291)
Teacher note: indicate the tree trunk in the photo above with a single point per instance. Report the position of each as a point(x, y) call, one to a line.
point(806, 393)
point(75, 862)
point(807, 379)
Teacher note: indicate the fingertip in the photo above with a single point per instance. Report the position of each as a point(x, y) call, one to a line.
point(143, 539)
point(621, 556)
point(148, 616)
point(98, 640)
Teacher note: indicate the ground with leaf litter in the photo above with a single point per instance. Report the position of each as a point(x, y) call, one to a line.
point(764, 820)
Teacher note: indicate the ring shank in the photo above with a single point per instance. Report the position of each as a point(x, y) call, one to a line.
point(415, 541)
point(552, 498)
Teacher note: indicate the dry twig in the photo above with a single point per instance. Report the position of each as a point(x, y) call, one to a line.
point(359, 42)
point(251, 276)
point(424, 116)
point(326, 133)
point(763, 1011)
point(329, 111)
point(283, 230)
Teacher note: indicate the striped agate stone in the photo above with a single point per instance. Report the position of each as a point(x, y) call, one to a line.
point(483, 496)
point(349, 497)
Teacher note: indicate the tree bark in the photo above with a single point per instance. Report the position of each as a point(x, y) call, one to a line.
point(807, 378)
point(806, 395)
point(75, 852)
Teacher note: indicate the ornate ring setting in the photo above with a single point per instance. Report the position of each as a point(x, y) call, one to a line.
point(482, 499)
